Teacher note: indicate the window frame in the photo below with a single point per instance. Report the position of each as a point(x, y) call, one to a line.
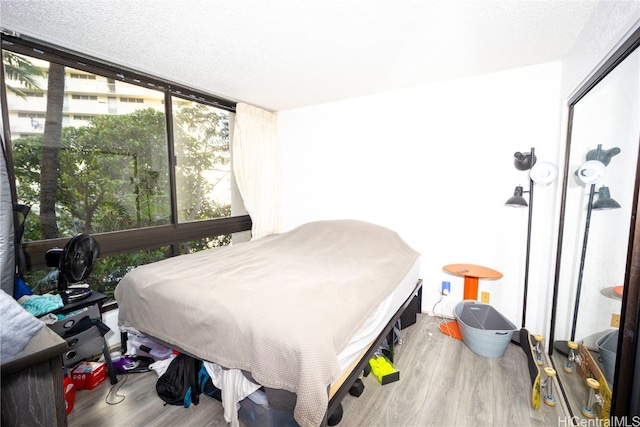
point(122, 241)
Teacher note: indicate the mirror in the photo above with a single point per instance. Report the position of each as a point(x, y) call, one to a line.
point(601, 163)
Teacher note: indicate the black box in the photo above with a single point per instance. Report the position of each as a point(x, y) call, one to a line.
point(409, 316)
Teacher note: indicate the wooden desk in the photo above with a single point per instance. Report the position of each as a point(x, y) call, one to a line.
point(32, 391)
point(471, 275)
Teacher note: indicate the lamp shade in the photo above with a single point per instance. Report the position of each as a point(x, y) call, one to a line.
point(543, 173)
point(591, 172)
point(603, 155)
point(517, 201)
point(524, 161)
point(604, 200)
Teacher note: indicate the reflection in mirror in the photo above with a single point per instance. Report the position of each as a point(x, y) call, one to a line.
point(599, 191)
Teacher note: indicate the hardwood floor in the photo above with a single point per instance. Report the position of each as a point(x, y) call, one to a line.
point(442, 383)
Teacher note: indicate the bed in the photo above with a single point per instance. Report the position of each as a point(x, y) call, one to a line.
point(297, 311)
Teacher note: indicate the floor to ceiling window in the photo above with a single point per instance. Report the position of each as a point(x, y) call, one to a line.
point(139, 164)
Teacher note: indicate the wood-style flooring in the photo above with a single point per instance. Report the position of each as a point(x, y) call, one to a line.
point(442, 383)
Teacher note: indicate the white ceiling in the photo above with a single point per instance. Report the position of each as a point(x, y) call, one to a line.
point(283, 54)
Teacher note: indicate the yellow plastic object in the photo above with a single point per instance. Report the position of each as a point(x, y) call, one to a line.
point(383, 370)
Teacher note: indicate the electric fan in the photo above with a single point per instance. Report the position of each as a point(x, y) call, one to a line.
point(74, 264)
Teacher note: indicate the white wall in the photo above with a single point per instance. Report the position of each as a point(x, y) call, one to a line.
point(435, 163)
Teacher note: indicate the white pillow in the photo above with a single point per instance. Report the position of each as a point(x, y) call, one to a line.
point(17, 327)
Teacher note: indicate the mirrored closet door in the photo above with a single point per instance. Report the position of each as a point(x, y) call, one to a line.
point(593, 271)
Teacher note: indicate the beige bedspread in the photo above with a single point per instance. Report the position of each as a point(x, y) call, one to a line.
point(281, 307)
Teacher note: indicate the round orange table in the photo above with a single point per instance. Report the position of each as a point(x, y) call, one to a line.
point(471, 275)
point(614, 292)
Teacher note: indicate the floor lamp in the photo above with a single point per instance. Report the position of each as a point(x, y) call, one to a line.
point(540, 173)
point(591, 172)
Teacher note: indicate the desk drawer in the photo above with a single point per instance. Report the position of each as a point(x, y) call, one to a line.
point(83, 345)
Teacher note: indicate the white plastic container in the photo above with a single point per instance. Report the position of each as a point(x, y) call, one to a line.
point(147, 347)
point(484, 330)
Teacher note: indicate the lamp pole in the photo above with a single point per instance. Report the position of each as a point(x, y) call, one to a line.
point(583, 255)
point(528, 252)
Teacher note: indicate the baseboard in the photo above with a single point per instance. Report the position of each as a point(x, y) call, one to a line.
point(440, 315)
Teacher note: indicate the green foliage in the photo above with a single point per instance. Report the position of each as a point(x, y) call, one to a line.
point(20, 69)
point(205, 243)
point(113, 174)
point(201, 145)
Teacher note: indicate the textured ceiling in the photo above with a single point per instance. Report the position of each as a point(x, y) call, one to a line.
point(284, 54)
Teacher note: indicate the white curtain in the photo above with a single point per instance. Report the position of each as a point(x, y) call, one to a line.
point(256, 166)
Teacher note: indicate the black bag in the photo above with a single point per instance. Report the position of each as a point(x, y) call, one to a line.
point(179, 383)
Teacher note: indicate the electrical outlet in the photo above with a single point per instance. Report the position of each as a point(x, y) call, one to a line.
point(615, 320)
point(446, 288)
point(484, 297)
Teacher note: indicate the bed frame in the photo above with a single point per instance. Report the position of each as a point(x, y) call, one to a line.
point(339, 389)
point(387, 333)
